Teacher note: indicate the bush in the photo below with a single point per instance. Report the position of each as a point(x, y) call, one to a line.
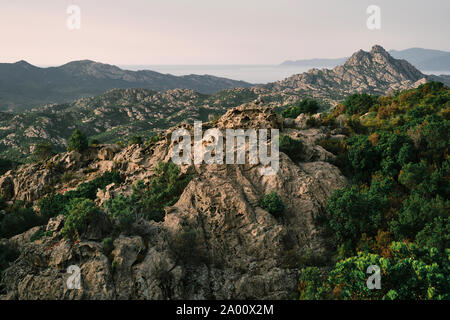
point(40, 234)
point(108, 246)
point(136, 140)
point(359, 103)
point(416, 213)
point(122, 210)
point(78, 141)
point(149, 201)
point(350, 213)
point(163, 190)
point(293, 148)
point(80, 213)
point(412, 174)
point(53, 205)
point(18, 219)
point(184, 248)
point(410, 273)
point(272, 203)
point(43, 151)
point(89, 189)
point(310, 284)
point(308, 106)
point(362, 156)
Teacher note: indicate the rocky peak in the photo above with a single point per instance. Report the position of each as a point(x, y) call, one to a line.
point(374, 72)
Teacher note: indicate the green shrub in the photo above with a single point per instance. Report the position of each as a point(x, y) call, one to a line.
point(149, 201)
point(43, 151)
point(108, 246)
point(350, 213)
point(40, 234)
point(122, 210)
point(136, 140)
point(311, 284)
point(359, 103)
point(154, 139)
point(18, 219)
point(411, 273)
point(163, 190)
point(292, 147)
point(80, 213)
point(308, 106)
point(78, 141)
point(89, 189)
point(412, 174)
point(272, 203)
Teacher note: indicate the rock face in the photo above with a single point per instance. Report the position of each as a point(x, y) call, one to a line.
point(375, 72)
point(240, 251)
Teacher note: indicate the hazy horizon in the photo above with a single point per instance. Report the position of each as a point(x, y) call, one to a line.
point(204, 32)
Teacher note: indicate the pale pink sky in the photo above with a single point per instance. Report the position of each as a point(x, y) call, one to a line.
point(212, 31)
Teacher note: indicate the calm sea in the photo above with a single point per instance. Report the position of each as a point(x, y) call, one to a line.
point(250, 73)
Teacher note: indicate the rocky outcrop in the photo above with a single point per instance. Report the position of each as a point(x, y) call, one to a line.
point(375, 72)
point(239, 251)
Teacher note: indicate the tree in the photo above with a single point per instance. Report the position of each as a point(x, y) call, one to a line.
point(80, 213)
point(416, 213)
point(78, 141)
point(362, 156)
point(350, 213)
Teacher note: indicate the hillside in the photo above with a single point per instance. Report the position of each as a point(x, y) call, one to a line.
point(23, 86)
point(374, 72)
point(365, 184)
point(424, 59)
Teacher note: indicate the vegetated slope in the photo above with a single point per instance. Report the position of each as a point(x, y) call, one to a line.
point(115, 116)
point(226, 231)
point(24, 86)
point(395, 214)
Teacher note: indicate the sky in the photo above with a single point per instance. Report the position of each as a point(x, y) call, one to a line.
point(180, 32)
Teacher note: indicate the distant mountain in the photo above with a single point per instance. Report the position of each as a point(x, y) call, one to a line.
point(375, 72)
point(315, 63)
point(120, 113)
point(23, 85)
point(422, 59)
point(425, 59)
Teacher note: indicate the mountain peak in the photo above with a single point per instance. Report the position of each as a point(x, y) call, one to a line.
point(24, 64)
point(378, 49)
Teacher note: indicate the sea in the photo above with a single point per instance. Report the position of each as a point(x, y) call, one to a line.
point(256, 74)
